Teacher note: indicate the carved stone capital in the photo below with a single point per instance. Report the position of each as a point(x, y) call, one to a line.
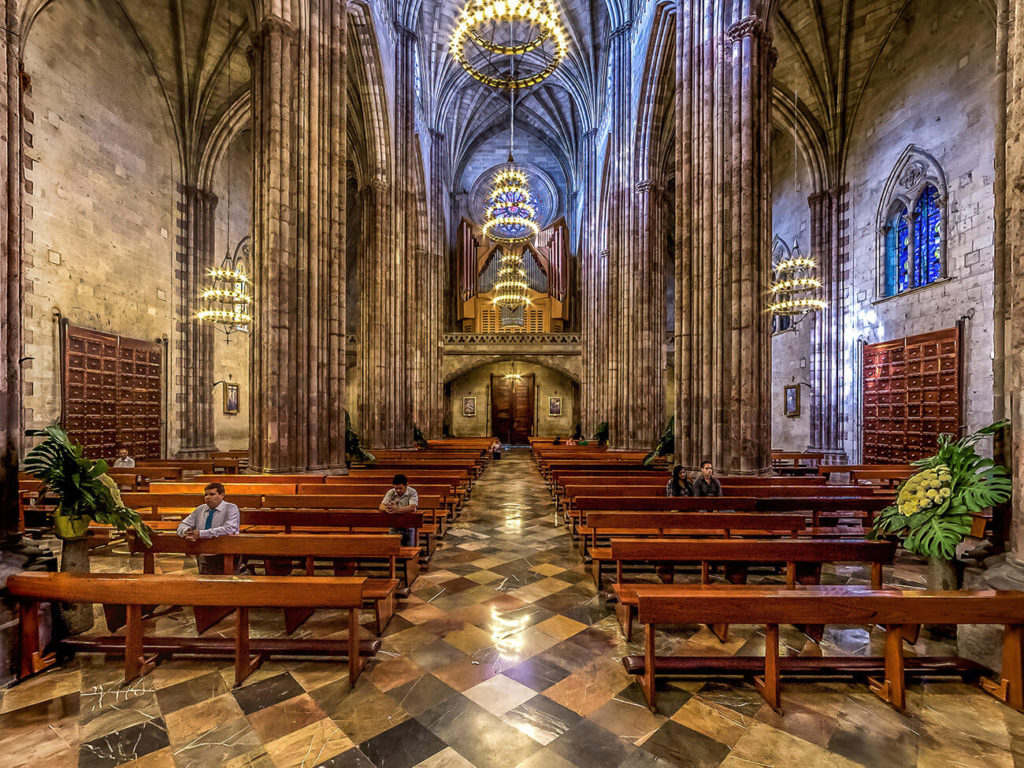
point(751, 26)
point(623, 29)
point(773, 57)
point(275, 25)
point(380, 183)
point(403, 32)
point(645, 186)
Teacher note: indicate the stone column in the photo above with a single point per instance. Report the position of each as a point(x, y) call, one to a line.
point(723, 223)
point(394, 357)
point(12, 172)
point(633, 344)
point(593, 320)
point(297, 421)
point(828, 246)
point(195, 338)
point(438, 262)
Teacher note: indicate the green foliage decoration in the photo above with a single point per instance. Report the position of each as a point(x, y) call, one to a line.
point(933, 508)
point(352, 445)
point(419, 438)
point(602, 433)
point(83, 486)
point(665, 446)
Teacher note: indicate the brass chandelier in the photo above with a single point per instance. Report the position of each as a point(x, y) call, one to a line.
point(527, 32)
point(511, 289)
point(792, 294)
point(227, 302)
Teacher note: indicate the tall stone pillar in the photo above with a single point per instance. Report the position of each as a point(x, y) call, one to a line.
point(437, 279)
point(195, 338)
point(828, 246)
point(12, 174)
point(377, 379)
point(393, 358)
point(633, 344)
point(723, 222)
point(297, 420)
point(593, 319)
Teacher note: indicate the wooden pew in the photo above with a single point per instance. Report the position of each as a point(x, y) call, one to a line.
point(796, 463)
point(230, 489)
point(209, 466)
point(587, 504)
point(630, 524)
point(827, 470)
point(137, 590)
point(803, 559)
point(821, 508)
point(433, 523)
point(279, 553)
point(893, 609)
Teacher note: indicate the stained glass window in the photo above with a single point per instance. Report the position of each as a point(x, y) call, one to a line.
point(897, 252)
point(913, 244)
point(927, 237)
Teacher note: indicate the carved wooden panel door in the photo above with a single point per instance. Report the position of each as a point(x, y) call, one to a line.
point(911, 396)
point(112, 393)
point(512, 408)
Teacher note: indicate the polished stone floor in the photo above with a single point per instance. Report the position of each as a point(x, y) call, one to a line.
point(505, 655)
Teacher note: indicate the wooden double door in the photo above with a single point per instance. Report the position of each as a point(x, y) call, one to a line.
point(512, 402)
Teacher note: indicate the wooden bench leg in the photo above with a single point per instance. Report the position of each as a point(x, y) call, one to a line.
point(649, 660)
point(1010, 688)
point(383, 610)
point(31, 658)
point(135, 662)
point(894, 688)
point(624, 613)
point(354, 662)
point(245, 664)
point(770, 685)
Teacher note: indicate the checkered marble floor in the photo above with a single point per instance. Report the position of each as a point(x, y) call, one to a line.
point(504, 656)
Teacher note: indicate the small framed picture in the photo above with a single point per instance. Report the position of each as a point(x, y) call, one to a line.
point(554, 406)
point(469, 406)
point(230, 398)
point(792, 400)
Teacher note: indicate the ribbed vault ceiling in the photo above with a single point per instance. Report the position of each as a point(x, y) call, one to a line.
point(558, 110)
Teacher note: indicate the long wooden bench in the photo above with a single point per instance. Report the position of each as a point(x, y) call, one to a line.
point(279, 553)
point(803, 560)
point(209, 466)
point(137, 590)
point(772, 606)
point(580, 516)
point(615, 525)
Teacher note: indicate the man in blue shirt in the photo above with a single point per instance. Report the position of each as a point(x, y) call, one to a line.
point(216, 517)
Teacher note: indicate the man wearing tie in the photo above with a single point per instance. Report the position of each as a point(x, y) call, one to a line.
point(214, 518)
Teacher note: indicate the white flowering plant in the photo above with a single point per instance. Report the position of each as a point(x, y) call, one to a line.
point(933, 508)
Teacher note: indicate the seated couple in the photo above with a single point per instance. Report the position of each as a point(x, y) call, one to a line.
point(706, 483)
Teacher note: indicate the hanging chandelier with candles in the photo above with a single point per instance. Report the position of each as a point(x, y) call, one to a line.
point(509, 44)
point(510, 216)
point(511, 290)
point(793, 292)
point(227, 300)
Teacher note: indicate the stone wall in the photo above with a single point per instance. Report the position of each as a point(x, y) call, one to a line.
point(791, 222)
point(100, 191)
point(933, 87)
point(549, 383)
point(233, 187)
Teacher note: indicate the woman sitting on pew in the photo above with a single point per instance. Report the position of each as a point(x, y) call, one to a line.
point(678, 485)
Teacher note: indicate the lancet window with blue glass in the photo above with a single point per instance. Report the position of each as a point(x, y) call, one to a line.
point(913, 244)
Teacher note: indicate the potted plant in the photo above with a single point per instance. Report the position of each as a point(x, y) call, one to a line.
point(932, 513)
point(85, 493)
point(665, 446)
point(601, 436)
point(353, 447)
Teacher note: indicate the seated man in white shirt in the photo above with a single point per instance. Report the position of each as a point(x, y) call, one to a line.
point(123, 460)
point(401, 499)
point(216, 517)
